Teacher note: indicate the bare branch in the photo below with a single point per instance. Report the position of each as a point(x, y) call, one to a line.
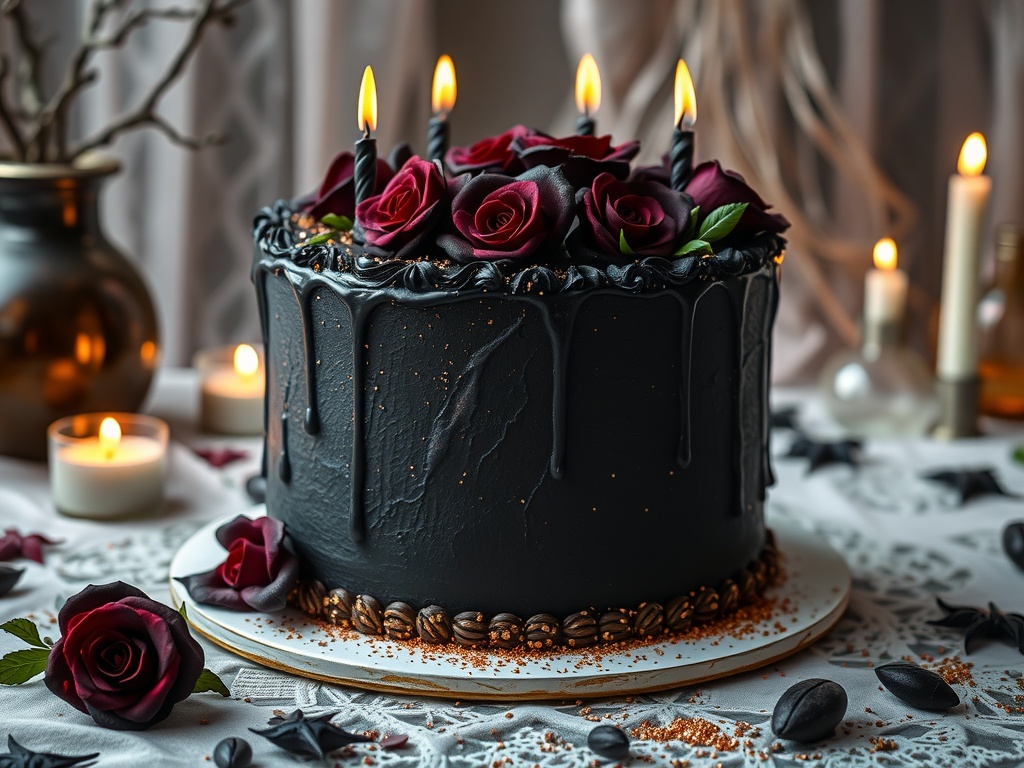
point(6, 118)
point(189, 142)
point(145, 113)
point(30, 66)
point(139, 19)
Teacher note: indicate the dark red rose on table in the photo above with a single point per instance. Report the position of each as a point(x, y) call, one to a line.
point(258, 572)
point(401, 220)
point(122, 658)
point(337, 192)
point(491, 154)
point(650, 218)
point(504, 217)
point(30, 546)
point(582, 158)
point(712, 187)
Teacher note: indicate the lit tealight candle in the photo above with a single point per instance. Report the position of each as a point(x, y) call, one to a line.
point(885, 287)
point(965, 214)
point(684, 117)
point(232, 388)
point(108, 466)
point(365, 175)
point(588, 94)
point(442, 100)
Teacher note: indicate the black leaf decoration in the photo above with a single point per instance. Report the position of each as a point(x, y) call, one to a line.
point(970, 482)
point(8, 578)
point(823, 454)
point(979, 624)
point(312, 736)
point(20, 757)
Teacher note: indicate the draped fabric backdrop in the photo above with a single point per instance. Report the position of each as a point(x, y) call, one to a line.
point(847, 115)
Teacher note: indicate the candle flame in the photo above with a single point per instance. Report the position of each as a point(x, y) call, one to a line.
point(443, 90)
point(885, 254)
point(247, 362)
point(973, 155)
point(110, 436)
point(368, 102)
point(588, 85)
point(685, 96)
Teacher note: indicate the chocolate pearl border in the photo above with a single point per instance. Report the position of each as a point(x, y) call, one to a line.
point(472, 629)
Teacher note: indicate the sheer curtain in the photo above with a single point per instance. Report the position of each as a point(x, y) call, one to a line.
point(847, 115)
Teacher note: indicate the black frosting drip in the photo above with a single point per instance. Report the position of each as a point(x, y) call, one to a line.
point(276, 237)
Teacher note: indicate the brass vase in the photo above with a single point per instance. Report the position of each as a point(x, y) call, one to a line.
point(78, 332)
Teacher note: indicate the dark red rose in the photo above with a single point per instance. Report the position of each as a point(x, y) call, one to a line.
point(501, 217)
point(651, 217)
point(13, 544)
point(258, 572)
point(405, 214)
point(122, 658)
point(582, 157)
point(337, 193)
point(711, 187)
point(490, 154)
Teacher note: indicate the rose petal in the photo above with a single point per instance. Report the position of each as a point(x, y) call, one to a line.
point(274, 596)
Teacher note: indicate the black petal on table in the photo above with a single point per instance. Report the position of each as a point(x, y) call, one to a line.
point(8, 578)
point(313, 736)
point(784, 418)
point(20, 757)
point(980, 624)
point(969, 483)
point(823, 454)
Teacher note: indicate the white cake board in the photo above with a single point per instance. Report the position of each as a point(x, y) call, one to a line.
point(817, 586)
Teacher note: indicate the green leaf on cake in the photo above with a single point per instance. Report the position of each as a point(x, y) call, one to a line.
point(23, 629)
point(208, 681)
point(623, 245)
point(721, 221)
point(1018, 455)
point(323, 237)
point(701, 247)
point(336, 222)
point(19, 667)
point(691, 228)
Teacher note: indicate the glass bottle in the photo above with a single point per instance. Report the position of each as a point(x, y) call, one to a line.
point(1001, 316)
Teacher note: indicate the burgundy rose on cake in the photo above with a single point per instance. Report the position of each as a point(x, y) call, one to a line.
point(620, 221)
point(123, 659)
point(258, 572)
point(504, 217)
point(581, 158)
point(712, 187)
point(401, 221)
point(493, 154)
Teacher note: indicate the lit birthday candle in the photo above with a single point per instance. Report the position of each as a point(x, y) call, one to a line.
point(588, 94)
point(685, 115)
point(442, 100)
point(366, 147)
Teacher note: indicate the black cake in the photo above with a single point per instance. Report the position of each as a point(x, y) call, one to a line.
point(533, 436)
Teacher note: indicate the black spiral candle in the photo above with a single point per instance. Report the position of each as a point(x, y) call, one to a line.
point(437, 137)
point(366, 167)
point(681, 158)
point(585, 126)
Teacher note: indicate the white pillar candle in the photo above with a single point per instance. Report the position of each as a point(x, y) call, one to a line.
point(885, 287)
point(965, 214)
point(232, 387)
point(100, 473)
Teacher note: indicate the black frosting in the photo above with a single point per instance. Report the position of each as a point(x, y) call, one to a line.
point(500, 437)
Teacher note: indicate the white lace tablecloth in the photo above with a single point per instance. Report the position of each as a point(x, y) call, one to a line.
point(906, 539)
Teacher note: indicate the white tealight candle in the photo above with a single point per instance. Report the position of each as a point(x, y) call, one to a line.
point(233, 387)
point(885, 287)
point(965, 213)
point(108, 466)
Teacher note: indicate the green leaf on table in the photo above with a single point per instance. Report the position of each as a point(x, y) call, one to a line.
point(721, 221)
point(18, 667)
point(623, 245)
point(340, 223)
point(181, 610)
point(1018, 454)
point(25, 630)
point(208, 681)
point(702, 247)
